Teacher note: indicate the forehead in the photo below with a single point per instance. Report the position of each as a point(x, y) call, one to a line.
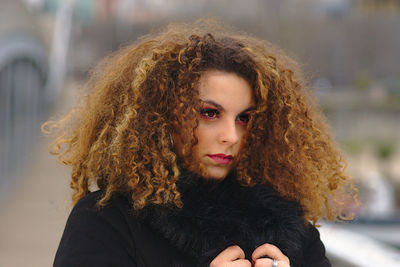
point(226, 88)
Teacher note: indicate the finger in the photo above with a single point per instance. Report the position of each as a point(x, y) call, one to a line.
point(232, 253)
point(270, 251)
point(228, 255)
point(264, 262)
point(240, 263)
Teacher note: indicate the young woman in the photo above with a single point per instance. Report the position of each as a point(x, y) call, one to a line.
point(206, 150)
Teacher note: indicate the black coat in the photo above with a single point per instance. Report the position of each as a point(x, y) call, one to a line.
point(214, 217)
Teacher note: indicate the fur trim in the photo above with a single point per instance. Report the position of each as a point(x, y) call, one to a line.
point(218, 215)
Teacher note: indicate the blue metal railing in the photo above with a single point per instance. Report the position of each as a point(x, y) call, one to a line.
point(23, 75)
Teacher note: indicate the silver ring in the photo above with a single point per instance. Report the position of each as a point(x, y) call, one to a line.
point(274, 263)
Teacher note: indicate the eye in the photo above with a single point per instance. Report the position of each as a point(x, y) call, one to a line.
point(209, 113)
point(243, 118)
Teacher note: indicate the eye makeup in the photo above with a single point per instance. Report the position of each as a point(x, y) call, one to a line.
point(243, 118)
point(209, 113)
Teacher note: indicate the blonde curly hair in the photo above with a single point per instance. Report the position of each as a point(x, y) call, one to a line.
point(119, 137)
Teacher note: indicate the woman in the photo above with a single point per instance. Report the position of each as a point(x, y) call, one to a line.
point(206, 151)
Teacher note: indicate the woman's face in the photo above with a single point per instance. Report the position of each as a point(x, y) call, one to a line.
point(227, 102)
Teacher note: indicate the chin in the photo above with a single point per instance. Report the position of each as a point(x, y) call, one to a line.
point(217, 173)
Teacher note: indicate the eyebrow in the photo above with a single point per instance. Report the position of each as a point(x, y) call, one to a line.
point(218, 106)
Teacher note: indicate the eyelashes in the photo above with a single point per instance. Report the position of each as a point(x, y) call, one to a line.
point(209, 113)
point(243, 118)
point(212, 114)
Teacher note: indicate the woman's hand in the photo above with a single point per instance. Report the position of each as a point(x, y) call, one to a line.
point(231, 256)
point(273, 253)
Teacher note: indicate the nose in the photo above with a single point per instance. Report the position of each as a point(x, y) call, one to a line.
point(229, 133)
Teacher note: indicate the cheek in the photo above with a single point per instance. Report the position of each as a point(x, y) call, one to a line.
point(241, 134)
point(199, 134)
point(203, 133)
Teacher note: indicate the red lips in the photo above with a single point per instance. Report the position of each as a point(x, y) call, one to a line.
point(221, 158)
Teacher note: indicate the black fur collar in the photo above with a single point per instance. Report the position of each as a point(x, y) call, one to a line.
point(218, 215)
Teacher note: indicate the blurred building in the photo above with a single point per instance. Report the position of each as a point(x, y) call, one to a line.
point(376, 6)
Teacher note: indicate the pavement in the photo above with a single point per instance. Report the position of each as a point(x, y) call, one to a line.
point(33, 218)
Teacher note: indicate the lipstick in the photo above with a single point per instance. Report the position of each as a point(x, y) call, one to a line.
point(221, 158)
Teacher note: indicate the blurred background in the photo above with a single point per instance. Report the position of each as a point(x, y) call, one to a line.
point(350, 50)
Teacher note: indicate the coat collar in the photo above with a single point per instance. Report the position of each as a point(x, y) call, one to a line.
point(217, 215)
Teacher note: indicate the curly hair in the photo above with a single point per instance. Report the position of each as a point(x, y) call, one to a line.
point(119, 137)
